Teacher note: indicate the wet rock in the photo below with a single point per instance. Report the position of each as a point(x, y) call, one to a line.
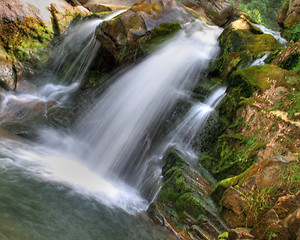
point(242, 35)
point(184, 199)
point(121, 35)
point(97, 8)
point(241, 43)
point(26, 29)
point(7, 72)
point(218, 12)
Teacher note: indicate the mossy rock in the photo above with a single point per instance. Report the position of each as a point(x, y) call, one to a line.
point(237, 40)
point(229, 63)
point(157, 36)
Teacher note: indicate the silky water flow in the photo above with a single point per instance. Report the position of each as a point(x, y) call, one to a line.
point(85, 184)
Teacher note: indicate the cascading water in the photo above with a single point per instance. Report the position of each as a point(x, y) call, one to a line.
point(73, 57)
point(195, 119)
point(275, 34)
point(110, 144)
point(117, 133)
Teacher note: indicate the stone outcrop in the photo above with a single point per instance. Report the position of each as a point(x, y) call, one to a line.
point(289, 20)
point(265, 198)
point(183, 205)
point(218, 12)
point(26, 28)
point(121, 36)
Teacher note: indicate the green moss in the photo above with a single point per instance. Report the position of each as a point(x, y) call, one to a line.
point(158, 35)
point(174, 186)
point(230, 62)
point(292, 32)
point(237, 40)
point(292, 63)
point(190, 204)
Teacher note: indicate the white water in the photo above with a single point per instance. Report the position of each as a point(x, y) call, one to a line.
point(195, 119)
point(117, 133)
point(112, 141)
point(275, 34)
point(81, 35)
point(260, 61)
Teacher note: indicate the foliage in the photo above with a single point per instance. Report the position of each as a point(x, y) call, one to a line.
point(263, 11)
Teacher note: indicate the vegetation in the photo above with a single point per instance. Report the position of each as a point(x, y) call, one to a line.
point(263, 11)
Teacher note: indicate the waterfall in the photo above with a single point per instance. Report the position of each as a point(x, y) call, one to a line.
point(118, 132)
point(195, 119)
point(73, 57)
point(275, 34)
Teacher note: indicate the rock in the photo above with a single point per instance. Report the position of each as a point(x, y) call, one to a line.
point(111, 3)
point(241, 43)
point(218, 12)
point(26, 28)
point(242, 35)
point(292, 222)
point(259, 200)
point(7, 72)
point(184, 198)
point(233, 204)
point(240, 233)
point(121, 35)
point(288, 19)
point(97, 8)
point(289, 58)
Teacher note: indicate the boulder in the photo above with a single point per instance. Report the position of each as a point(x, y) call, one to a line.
point(288, 19)
point(121, 35)
point(184, 200)
point(26, 28)
point(218, 12)
point(241, 43)
point(7, 71)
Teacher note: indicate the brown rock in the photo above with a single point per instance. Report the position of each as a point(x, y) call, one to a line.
point(290, 14)
point(292, 223)
point(119, 35)
point(219, 12)
point(240, 233)
point(233, 204)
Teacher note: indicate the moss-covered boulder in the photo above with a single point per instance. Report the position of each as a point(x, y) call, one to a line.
point(26, 29)
point(122, 35)
point(241, 35)
point(289, 20)
point(241, 43)
point(184, 199)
